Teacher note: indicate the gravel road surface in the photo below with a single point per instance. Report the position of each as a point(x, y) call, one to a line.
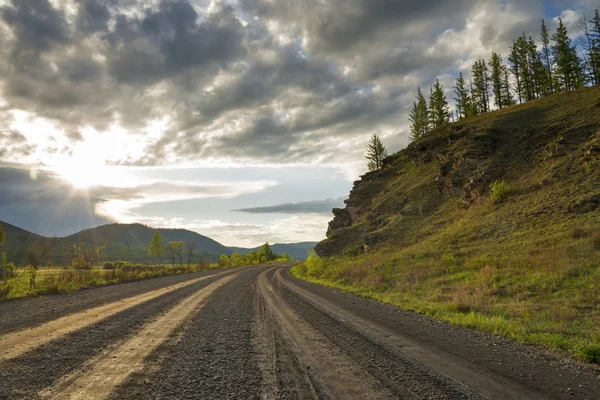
point(259, 333)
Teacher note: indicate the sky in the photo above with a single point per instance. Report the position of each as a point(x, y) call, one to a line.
point(244, 120)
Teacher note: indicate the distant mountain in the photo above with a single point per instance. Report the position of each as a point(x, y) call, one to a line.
point(298, 251)
point(117, 236)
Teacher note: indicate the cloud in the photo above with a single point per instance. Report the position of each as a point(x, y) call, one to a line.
point(246, 82)
point(306, 207)
point(306, 228)
point(40, 202)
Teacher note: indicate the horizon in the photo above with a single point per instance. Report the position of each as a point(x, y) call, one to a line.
point(129, 112)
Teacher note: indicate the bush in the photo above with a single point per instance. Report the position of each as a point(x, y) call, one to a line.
point(315, 265)
point(4, 290)
point(11, 270)
point(108, 265)
point(499, 191)
point(79, 263)
point(119, 264)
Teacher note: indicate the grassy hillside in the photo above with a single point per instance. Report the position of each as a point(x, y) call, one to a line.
point(429, 234)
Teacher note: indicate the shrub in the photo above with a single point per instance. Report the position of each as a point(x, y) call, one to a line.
point(108, 265)
point(499, 191)
point(49, 264)
point(449, 263)
point(79, 263)
point(11, 270)
point(315, 265)
point(4, 290)
point(119, 264)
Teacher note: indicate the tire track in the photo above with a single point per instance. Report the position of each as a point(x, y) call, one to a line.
point(338, 375)
point(99, 377)
point(16, 343)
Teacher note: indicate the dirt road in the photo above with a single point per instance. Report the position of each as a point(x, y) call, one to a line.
point(258, 333)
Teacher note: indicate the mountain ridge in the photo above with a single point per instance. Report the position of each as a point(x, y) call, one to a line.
point(115, 236)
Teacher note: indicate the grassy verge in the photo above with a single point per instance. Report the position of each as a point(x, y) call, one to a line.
point(66, 280)
point(548, 295)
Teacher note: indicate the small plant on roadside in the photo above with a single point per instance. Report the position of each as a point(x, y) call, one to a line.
point(499, 191)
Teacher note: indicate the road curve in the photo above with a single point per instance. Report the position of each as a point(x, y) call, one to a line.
point(259, 333)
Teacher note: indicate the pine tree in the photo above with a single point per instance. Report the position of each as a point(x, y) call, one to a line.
point(515, 68)
point(507, 96)
point(586, 40)
point(463, 99)
point(419, 117)
point(595, 34)
point(376, 153)
point(438, 105)
point(546, 58)
point(481, 82)
point(568, 70)
point(497, 77)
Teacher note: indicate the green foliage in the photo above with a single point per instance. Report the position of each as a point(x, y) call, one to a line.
point(376, 153)
point(224, 261)
point(315, 265)
point(499, 191)
point(108, 265)
point(175, 250)
point(155, 248)
point(439, 114)
point(2, 236)
point(419, 117)
point(568, 70)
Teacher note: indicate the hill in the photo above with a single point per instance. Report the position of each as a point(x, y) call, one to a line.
point(298, 251)
point(428, 232)
point(117, 236)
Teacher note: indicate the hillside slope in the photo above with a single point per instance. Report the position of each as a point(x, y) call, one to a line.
point(428, 234)
point(115, 237)
point(436, 191)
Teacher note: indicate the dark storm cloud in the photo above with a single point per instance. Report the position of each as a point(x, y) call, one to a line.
point(39, 202)
point(252, 80)
point(37, 24)
point(306, 207)
point(169, 40)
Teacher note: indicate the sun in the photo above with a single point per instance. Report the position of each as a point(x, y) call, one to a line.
point(84, 173)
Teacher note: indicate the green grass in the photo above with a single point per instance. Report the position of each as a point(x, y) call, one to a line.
point(65, 280)
point(491, 223)
point(550, 299)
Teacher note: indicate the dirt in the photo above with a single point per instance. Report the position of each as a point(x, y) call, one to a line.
point(261, 334)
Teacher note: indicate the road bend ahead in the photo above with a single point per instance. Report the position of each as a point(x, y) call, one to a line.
point(258, 333)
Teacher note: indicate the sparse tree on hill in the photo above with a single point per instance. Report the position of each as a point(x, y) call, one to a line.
point(481, 83)
point(568, 70)
point(376, 153)
point(546, 56)
point(464, 107)
point(595, 34)
point(155, 249)
point(498, 74)
point(2, 240)
point(191, 246)
point(419, 117)
point(439, 113)
point(175, 250)
point(515, 68)
point(586, 40)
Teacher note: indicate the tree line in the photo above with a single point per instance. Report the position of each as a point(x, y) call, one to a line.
point(533, 69)
point(532, 72)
